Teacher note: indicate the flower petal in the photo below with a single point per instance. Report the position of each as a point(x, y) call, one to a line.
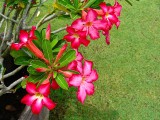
point(100, 24)
point(28, 99)
point(37, 106)
point(75, 80)
point(48, 103)
point(87, 68)
point(93, 32)
point(23, 36)
point(81, 94)
point(92, 77)
point(78, 24)
point(117, 8)
point(31, 88)
point(54, 85)
point(44, 89)
point(89, 87)
point(91, 15)
point(16, 46)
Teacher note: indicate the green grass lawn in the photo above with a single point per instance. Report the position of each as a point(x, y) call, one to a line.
point(129, 70)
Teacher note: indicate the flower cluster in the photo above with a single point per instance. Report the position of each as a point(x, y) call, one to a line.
point(91, 22)
point(66, 68)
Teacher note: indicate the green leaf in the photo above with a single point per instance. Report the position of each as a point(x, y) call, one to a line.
point(37, 78)
point(89, 3)
point(54, 42)
point(54, 74)
point(76, 2)
point(56, 50)
point(38, 64)
point(96, 4)
point(32, 71)
point(67, 58)
point(47, 50)
point(61, 81)
point(15, 53)
point(22, 60)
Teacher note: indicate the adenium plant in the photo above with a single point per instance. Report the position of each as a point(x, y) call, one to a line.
point(56, 63)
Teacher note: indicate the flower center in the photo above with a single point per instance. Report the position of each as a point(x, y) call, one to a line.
point(107, 14)
point(89, 24)
point(83, 79)
point(39, 96)
point(75, 35)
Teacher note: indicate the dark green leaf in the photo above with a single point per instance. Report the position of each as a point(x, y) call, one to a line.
point(47, 50)
point(22, 60)
point(38, 64)
point(96, 4)
point(32, 71)
point(61, 81)
point(67, 58)
point(15, 53)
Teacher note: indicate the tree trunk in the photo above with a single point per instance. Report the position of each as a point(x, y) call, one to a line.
point(28, 115)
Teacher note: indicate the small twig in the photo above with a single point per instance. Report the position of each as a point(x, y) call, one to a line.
point(58, 30)
point(36, 11)
point(7, 18)
point(15, 83)
point(4, 36)
point(3, 8)
point(49, 17)
point(5, 89)
point(13, 72)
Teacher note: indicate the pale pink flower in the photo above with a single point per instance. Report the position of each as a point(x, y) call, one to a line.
point(38, 97)
point(84, 80)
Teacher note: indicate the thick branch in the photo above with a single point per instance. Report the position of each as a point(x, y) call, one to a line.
point(13, 72)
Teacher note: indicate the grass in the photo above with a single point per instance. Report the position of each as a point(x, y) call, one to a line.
point(129, 70)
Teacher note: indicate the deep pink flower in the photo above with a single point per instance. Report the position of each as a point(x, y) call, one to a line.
point(84, 80)
point(38, 97)
point(109, 14)
point(90, 24)
point(76, 37)
point(117, 8)
point(26, 41)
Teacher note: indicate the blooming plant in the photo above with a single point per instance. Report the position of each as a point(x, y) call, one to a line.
point(56, 63)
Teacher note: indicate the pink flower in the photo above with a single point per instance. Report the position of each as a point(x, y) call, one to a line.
point(117, 8)
point(77, 62)
point(84, 80)
point(90, 24)
point(76, 37)
point(26, 41)
point(38, 97)
point(48, 32)
point(109, 14)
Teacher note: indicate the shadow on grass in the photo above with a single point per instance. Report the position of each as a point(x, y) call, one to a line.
point(68, 108)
